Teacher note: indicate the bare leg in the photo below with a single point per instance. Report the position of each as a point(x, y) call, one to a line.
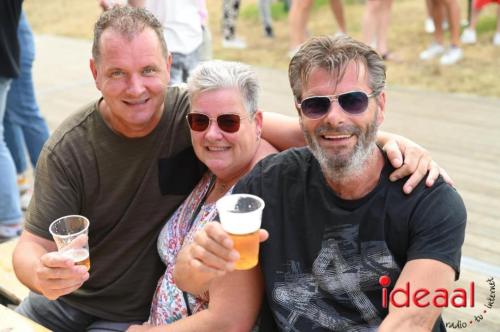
point(473, 18)
point(437, 17)
point(453, 12)
point(428, 6)
point(370, 22)
point(383, 28)
point(297, 21)
point(338, 12)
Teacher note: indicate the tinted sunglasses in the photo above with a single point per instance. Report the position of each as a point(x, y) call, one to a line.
point(354, 102)
point(230, 123)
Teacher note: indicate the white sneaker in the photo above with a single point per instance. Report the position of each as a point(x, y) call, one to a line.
point(433, 51)
point(429, 25)
point(339, 34)
point(468, 36)
point(452, 56)
point(234, 43)
point(23, 183)
point(496, 39)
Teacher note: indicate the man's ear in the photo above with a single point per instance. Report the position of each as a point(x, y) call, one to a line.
point(168, 66)
point(258, 119)
point(93, 69)
point(381, 108)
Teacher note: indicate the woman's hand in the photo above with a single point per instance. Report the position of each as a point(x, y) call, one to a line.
point(410, 159)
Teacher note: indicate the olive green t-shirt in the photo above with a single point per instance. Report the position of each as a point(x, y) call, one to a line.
point(127, 188)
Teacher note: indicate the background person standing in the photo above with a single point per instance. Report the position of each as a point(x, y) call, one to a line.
point(25, 128)
point(10, 210)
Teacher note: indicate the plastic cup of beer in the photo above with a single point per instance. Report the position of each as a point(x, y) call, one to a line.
point(240, 215)
point(70, 234)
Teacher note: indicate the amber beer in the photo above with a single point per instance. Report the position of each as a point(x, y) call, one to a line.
point(240, 216)
point(247, 246)
point(79, 256)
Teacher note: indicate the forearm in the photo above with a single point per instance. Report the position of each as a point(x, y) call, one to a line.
point(226, 311)
point(204, 320)
point(403, 323)
point(25, 260)
point(426, 274)
point(281, 131)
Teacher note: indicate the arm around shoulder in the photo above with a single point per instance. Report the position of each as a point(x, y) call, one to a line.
point(281, 131)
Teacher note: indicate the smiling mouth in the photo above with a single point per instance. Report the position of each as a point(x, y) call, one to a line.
point(216, 148)
point(136, 102)
point(336, 137)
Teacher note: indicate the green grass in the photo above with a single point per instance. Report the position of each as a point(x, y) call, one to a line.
point(251, 11)
point(486, 24)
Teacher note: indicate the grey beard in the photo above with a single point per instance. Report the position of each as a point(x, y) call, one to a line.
point(339, 168)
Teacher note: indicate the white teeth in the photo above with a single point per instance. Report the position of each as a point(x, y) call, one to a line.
point(137, 102)
point(216, 148)
point(336, 136)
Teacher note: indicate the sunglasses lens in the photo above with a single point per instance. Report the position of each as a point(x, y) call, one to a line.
point(315, 107)
point(353, 102)
point(198, 122)
point(230, 123)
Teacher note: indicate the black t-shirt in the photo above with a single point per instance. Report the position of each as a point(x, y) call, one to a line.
point(325, 255)
point(10, 11)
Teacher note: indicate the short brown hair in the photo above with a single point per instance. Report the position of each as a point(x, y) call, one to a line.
point(128, 21)
point(334, 54)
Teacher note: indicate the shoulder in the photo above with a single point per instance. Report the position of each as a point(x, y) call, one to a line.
point(288, 161)
point(440, 196)
point(281, 167)
point(76, 126)
point(177, 99)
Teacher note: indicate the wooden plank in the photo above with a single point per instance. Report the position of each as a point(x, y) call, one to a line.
point(464, 316)
point(13, 322)
point(10, 287)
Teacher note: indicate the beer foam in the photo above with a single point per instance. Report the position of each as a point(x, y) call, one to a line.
point(77, 255)
point(240, 213)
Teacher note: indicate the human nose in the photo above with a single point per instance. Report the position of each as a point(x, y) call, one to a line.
point(135, 86)
point(335, 113)
point(213, 130)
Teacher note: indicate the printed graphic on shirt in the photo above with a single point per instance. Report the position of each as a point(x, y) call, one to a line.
point(334, 294)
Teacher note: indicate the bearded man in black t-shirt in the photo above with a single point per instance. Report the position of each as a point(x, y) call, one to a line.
point(342, 237)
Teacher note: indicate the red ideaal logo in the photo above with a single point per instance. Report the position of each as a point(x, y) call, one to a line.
point(441, 298)
point(422, 297)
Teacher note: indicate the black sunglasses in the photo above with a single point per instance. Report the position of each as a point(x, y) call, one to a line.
point(354, 102)
point(230, 123)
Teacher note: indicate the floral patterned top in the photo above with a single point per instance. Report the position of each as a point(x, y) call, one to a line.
point(168, 303)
